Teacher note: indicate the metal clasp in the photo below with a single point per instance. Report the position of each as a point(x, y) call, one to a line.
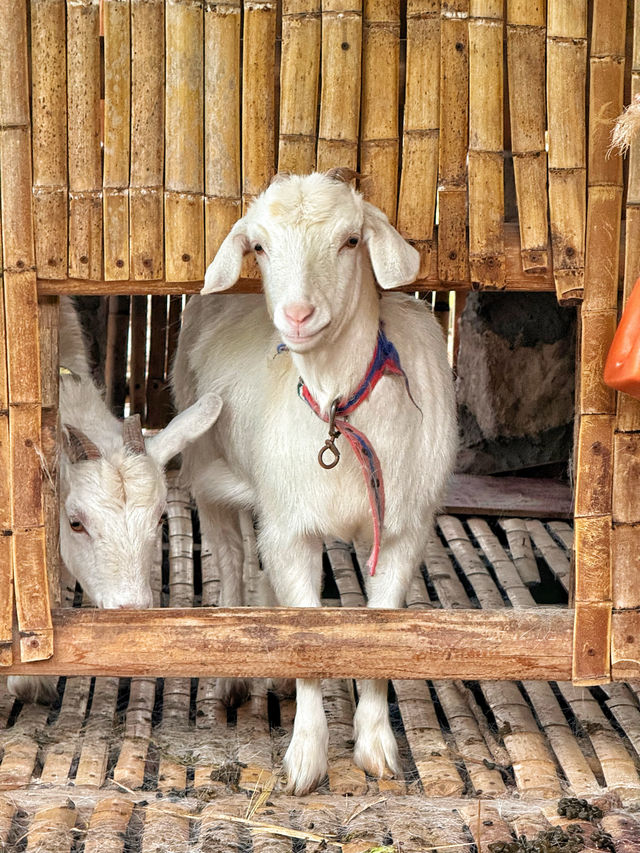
point(330, 443)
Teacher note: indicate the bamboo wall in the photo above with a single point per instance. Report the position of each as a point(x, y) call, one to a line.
point(133, 133)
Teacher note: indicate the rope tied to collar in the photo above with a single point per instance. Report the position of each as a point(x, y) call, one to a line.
point(385, 360)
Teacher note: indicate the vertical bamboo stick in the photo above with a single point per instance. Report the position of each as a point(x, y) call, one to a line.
point(117, 114)
point(566, 76)
point(85, 156)
point(21, 328)
point(184, 117)
point(147, 139)
point(340, 92)
point(6, 563)
point(419, 179)
point(258, 98)
point(592, 629)
point(299, 78)
point(158, 401)
point(486, 156)
point(526, 66)
point(49, 135)
point(222, 148)
point(379, 141)
point(138, 361)
point(115, 369)
point(453, 252)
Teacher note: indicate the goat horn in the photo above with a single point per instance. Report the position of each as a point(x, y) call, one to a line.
point(79, 448)
point(342, 174)
point(132, 434)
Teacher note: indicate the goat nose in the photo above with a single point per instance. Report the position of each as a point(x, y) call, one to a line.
point(298, 312)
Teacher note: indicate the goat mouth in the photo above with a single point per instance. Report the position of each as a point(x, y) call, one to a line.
point(295, 341)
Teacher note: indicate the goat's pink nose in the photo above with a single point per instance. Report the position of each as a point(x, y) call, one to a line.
point(298, 313)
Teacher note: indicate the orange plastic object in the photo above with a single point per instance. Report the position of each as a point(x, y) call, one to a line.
point(622, 370)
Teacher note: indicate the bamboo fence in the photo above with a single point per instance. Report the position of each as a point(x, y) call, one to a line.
point(133, 134)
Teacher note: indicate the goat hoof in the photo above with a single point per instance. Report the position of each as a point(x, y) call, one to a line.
point(233, 691)
point(376, 752)
point(305, 764)
point(33, 688)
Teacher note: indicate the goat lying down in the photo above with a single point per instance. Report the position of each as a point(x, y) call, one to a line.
point(319, 246)
point(112, 489)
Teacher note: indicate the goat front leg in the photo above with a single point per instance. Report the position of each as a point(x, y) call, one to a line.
point(376, 750)
point(294, 569)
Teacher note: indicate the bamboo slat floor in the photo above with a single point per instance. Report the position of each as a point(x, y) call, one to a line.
point(161, 766)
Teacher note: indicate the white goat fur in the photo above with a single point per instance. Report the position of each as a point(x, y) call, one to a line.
point(262, 453)
point(118, 499)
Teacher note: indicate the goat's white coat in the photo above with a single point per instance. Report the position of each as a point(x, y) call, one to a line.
point(119, 498)
point(262, 453)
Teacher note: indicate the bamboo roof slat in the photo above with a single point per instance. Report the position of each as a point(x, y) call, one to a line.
point(258, 97)
point(526, 45)
point(85, 157)
point(617, 765)
point(504, 568)
point(116, 137)
point(453, 251)
point(553, 555)
point(184, 138)
point(49, 136)
point(138, 357)
point(299, 84)
point(108, 826)
point(222, 149)
point(147, 140)
point(94, 753)
point(341, 73)
point(379, 135)
point(566, 114)
point(51, 830)
point(419, 177)
point(486, 144)
point(520, 549)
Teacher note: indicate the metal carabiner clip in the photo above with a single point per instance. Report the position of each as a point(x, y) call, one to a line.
point(330, 443)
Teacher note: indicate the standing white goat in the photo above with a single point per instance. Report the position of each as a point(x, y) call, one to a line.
point(112, 488)
point(318, 245)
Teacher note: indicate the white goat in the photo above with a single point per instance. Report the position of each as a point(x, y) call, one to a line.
point(318, 245)
point(112, 488)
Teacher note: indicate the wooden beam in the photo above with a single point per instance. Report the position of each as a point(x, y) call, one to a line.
point(508, 496)
point(310, 643)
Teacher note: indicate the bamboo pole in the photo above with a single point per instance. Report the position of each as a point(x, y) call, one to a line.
point(453, 252)
point(96, 744)
point(85, 156)
point(552, 553)
point(147, 140)
point(420, 135)
point(115, 368)
point(340, 92)
point(20, 307)
point(299, 79)
point(503, 567)
point(566, 116)
point(57, 762)
point(108, 826)
point(526, 35)
point(222, 149)
point(486, 155)
point(138, 358)
point(520, 549)
point(184, 138)
point(49, 136)
point(6, 562)
point(592, 631)
point(158, 398)
point(117, 115)
point(258, 98)
point(379, 140)
point(52, 829)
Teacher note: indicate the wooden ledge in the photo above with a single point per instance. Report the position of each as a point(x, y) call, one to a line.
point(313, 643)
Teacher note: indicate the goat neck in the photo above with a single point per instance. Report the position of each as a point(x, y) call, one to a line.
point(335, 368)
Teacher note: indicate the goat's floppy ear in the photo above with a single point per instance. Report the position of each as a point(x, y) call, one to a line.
point(395, 263)
point(184, 428)
point(223, 272)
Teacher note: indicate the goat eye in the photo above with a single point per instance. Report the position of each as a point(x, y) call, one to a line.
point(352, 242)
point(258, 249)
point(77, 526)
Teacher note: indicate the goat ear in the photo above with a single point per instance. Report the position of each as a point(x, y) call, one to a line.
point(224, 270)
point(184, 428)
point(395, 263)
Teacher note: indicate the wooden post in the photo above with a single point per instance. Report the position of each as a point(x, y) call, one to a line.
point(592, 631)
point(26, 533)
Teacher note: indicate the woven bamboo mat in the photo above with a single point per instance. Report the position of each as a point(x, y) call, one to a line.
point(147, 765)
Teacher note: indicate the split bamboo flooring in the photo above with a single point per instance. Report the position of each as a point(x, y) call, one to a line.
point(142, 765)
